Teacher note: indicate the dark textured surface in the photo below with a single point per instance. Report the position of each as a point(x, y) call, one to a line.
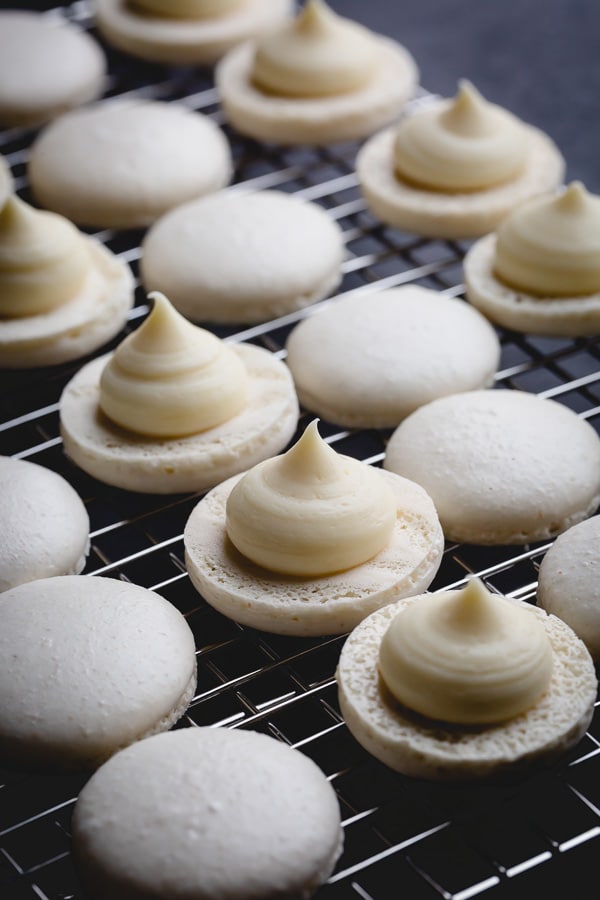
point(539, 59)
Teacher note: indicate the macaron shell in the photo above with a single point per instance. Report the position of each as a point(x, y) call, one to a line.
point(244, 258)
point(88, 665)
point(316, 120)
point(123, 163)
point(330, 604)
point(569, 581)
point(501, 466)
point(207, 813)
point(45, 525)
point(47, 66)
point(371, 360)
point(423, 748)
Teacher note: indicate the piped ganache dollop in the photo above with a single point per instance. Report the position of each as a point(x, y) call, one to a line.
point(170, 378)
point(468, 657)
point(310, 542)
point(318, 54)
point(540, 271)
point(550, 246)
point(175, 409)
point(465, 685)
point(318, 79)
point(44, 260)
point(454, 168)
point(463, 144)
point(62, 294)
point(311, 511)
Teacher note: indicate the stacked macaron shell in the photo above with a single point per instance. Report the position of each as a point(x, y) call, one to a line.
point(62, 293)
point(455, 168)
point(319, 79)
point(540, 271)
point(310, 542)
point(465, 685)
point(176, 409)
point(186, 32)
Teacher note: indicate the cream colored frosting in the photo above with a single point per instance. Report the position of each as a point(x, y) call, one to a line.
point(44, 260)
point(464, 144)
point(310, 511)
point(186, 9)
point(318, 54)
point(170, 378)
point(550, 246)
point(467, 657)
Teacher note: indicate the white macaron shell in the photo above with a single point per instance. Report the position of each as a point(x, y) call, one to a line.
point(88, 665)
point(45, 525)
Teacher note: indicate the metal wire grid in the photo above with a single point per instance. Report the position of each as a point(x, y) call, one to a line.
point(403, 837)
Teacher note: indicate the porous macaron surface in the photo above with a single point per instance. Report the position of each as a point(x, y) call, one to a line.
point(423, 748)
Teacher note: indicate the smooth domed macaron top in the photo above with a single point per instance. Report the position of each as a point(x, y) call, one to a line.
point(88, 665)
point(208, 813)
point(45, 525)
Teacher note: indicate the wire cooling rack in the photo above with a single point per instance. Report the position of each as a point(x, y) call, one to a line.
point(403, 838)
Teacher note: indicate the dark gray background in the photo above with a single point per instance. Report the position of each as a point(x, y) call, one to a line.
point(539, 58)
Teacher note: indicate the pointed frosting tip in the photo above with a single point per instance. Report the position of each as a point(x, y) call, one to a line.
point(467, 90)
point(310, 458)
point(475, 588)
point(165, 331)
point(573, 196)
point(474, 608)
point(161, 305)
point(158, 298)
point(16, 211)
point(309, 439)
point(313, 10)
point(467, 107)
point(312, 429)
